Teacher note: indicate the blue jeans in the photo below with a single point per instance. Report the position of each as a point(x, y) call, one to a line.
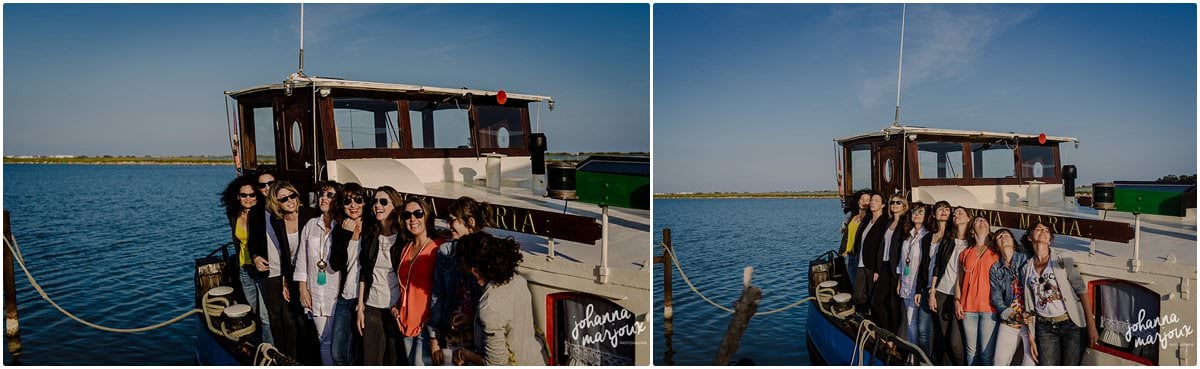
point(1059, 343)
point(251, 286)
point(416, 349)
point(344, 329)
point(979, 337)
point(924, 330)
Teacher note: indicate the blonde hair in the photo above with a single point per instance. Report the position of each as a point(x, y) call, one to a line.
point(273, 203)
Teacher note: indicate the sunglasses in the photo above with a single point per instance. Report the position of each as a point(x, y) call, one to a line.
point(328, 194)
point(265, 185)
point(897, 202)
point(355, 199)
point(287, 198)
point(404, 215)
point(245, 195)
point(381, 202)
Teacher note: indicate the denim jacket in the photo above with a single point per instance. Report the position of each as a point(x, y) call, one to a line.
point(1002, 277)
point(446, 280)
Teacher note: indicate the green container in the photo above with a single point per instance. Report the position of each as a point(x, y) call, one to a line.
point(621, 181)
point(1151, 198)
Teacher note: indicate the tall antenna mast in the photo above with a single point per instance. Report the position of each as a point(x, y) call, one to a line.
point(301, 71)
point(899, 69)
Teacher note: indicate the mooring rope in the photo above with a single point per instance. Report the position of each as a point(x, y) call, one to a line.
point(12, 245)
point(714, 304)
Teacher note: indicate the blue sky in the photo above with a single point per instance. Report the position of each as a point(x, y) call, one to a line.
point(147, 79)
point(750, 97)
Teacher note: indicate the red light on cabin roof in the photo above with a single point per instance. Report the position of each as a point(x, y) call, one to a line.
point(1042, 138)
point(501, 97)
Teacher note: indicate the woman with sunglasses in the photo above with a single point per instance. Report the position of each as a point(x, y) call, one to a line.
point(347, 239)
point(1055, 296)
point(259, 236)
point(505, 308)
point(885, 304)
point(947, 242)
point(452, 300)
point(912, 263)
point(1008, 298)
point(378, 288)
point(870, 237)
point(973, 297)
point(287, 216)
point(318, 283)
point(240, 201)
point(415, 274)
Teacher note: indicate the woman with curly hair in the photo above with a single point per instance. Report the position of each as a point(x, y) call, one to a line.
point(242, 209)
point(505, 309)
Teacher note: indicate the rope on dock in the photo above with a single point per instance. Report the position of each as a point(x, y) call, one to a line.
point(718, 306)
point(16, 250)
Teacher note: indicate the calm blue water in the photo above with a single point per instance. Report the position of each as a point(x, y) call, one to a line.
point(714, 240)
point(114, 245)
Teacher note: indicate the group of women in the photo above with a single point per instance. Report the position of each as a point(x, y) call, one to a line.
point(964, 294)
point(365, 279)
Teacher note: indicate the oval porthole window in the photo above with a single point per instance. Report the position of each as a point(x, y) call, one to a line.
point(297, 137)
point(1037, 170)
point(502, 138)
point(887, 170)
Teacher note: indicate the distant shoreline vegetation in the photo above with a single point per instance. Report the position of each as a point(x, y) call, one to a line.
point(750, 195)
point(220, 160)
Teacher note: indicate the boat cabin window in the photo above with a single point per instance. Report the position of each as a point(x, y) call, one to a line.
point(1037, 162)
point(940, 160)
point(264, 134)
point(365, 123)
point(500, 127)
point(439, 125)
point(992, 160)
point(860, 168)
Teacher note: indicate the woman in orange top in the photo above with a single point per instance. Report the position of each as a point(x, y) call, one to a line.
point(973, 294)
point(415, 273)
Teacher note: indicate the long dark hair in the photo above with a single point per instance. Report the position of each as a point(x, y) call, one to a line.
point(350, 190)
point(909, 226)
point(496, 259)
point(851, 205)
point(229, 197)
point(952, 229)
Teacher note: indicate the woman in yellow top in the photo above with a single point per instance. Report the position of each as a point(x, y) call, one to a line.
point(239, 198)
point(850, 231)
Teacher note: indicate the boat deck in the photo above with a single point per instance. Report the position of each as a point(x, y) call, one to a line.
point(1161, 236)
point(629, 229)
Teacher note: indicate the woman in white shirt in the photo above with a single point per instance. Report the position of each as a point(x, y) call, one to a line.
point(318, 282)
point(908, 270)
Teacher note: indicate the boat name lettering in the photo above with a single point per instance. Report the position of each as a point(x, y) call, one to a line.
point(1159, 322)
point(1061, 225)
point(517, 220)
point(612, 336)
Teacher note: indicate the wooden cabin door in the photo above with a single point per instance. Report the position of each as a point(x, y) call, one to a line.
point(296, 140)
point(888, 167)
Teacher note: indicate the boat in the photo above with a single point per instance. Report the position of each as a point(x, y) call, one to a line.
point(584, 229)
point(1134, 243)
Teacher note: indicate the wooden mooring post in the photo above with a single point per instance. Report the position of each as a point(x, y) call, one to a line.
point(744, 309)
point(12, 335)
point(668, 304)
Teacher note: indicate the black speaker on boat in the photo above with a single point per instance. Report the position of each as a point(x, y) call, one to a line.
point(1069, 175)
point(560, 181)
point(1104, 195)
point(537, 150)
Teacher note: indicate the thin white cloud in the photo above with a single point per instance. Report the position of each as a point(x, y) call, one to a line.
point(942, 41)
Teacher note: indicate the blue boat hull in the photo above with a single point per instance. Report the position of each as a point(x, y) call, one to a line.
point(829, 345)
point(208, 350)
